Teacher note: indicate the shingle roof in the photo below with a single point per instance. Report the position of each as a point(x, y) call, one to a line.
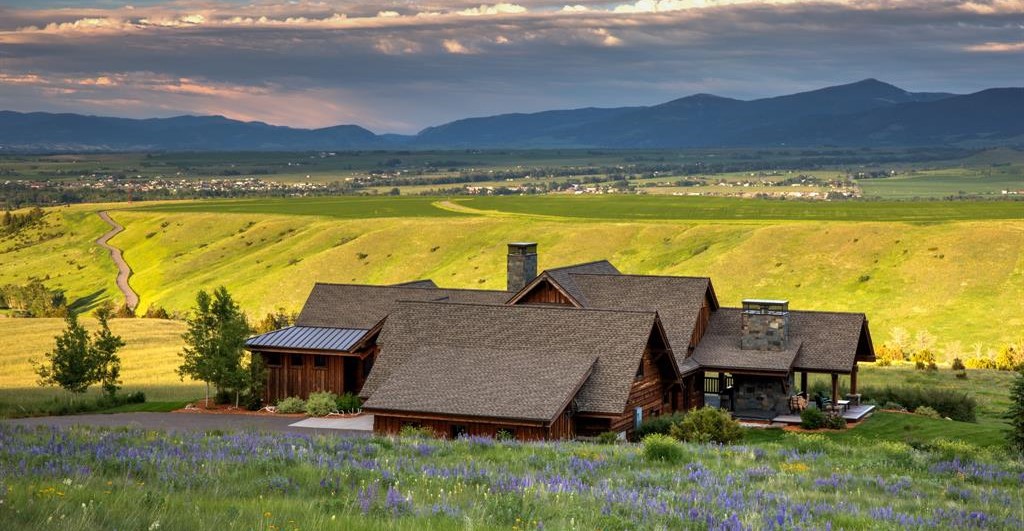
point(361, 306)
point(309, 338)
point(677, 300)
point(425, 283)
point(519, 384)
point(494, 333)
point(818, 341)
point(564, 276)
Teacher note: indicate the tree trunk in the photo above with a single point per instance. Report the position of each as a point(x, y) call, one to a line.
point(207, 395)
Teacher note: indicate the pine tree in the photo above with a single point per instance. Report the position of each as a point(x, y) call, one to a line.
point(1016, 413)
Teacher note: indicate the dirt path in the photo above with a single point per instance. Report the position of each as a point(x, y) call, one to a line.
point(123, 271)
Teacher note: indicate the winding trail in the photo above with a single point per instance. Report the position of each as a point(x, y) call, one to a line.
point(123, 271)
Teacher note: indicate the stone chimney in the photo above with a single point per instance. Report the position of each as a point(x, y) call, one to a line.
point(765, 325)
point(522, 264)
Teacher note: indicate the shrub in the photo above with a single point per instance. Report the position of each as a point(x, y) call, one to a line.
point(707, 424)
point(321, 404)
point(661, 424)
point(886, 354)
point(415, 432)
point(292, 404)
point(504, 435)
point(958, 364)
point(812, 418)
point(156, 312)
point(660, 447)
point(835, 421)
point(962, 375)
point(349, 403)
point(895, 406)
point(957, 406)
point(926, 411)
point(608, 437)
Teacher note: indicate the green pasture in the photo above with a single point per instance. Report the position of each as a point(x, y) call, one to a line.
point(946, 182)
point(620, 208)
point(334, 207)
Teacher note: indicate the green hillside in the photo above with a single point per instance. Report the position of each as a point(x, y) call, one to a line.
point(962, 281)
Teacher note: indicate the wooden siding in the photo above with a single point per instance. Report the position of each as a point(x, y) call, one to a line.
point(447, 426)
point(656, 393)
point(693, 392)
point(702, 323)
point(339, 374)
point(544, 293)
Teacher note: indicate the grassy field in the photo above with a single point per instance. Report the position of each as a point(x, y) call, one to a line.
point(611, 207)
point(147, 362)
point(962, 281)
point(984, 181)
point(81, 479)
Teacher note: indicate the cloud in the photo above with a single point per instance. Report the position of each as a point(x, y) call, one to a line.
point(997, 47)
point(496, 9)
point(454, 46)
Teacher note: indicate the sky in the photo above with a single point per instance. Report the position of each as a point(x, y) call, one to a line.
point(400, 66)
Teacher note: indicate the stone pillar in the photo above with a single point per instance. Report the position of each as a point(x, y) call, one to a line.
point(522, 265)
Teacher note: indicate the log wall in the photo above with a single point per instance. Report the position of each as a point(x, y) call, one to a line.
point(297, 374)
point(450, 426)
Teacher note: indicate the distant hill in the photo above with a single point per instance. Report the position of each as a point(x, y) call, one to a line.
point(74, 132)
point(865, 113)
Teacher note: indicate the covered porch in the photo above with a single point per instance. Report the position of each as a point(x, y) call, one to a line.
point(781, 397)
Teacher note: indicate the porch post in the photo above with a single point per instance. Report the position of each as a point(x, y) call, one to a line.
point(853, 380)
point(835, 388)
point(803, 384)
point(721, 383)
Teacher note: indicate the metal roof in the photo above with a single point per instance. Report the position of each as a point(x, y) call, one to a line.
point(309, 338)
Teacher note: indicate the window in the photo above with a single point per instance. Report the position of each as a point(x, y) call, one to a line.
point(457, 430)
point(320, 362)
point(297, 360)
point(640, 371)
point(273, 360)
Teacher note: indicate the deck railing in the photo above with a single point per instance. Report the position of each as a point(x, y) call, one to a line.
point(711, 384)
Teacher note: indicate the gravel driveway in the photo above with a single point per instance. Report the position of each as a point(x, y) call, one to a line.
point(187, 422)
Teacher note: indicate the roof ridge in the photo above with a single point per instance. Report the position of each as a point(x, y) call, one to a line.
point(406, 288)
point(832, 312)
point(584, 273)
point(531, 307)
point(580, 264)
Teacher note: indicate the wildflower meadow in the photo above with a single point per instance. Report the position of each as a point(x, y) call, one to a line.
point(82, 478)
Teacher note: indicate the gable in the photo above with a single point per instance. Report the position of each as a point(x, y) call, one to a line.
point(544, 291)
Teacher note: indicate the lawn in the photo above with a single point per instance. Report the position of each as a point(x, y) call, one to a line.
point(90, 478)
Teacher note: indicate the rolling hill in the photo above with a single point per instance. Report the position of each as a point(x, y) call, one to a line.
point(865, 113)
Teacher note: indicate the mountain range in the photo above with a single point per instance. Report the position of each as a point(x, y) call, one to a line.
point(865, 113)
